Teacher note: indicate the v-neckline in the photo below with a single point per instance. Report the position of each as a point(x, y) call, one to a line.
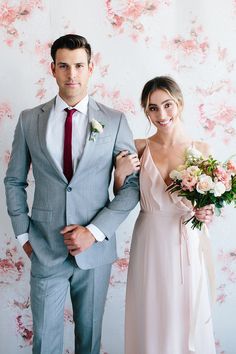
point(156, 167)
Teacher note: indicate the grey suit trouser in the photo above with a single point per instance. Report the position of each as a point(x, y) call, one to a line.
point(88, 289)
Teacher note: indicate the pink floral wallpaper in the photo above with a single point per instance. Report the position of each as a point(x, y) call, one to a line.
point(132, 41)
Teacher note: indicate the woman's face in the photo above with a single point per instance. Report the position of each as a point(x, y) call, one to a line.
point(163, 110)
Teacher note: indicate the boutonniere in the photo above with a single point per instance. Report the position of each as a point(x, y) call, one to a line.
point(96, 128)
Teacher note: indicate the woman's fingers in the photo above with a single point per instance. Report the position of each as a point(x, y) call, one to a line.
point(122, 154)
point(126, 163)
point(134, 160)
point(205, 214)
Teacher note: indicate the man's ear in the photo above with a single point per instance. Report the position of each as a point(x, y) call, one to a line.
point(91, 67)
point(53, 68)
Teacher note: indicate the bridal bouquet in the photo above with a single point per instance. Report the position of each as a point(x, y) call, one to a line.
point(204, 181)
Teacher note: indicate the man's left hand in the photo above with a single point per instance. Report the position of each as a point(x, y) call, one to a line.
point(77, 238)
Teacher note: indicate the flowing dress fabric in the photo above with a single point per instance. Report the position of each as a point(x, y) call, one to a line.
point(167, 302)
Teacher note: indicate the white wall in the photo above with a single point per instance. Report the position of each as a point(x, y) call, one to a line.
point(133, 41)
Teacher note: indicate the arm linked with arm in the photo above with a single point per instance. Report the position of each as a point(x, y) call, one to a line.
point(111, 216)
point(125, 165)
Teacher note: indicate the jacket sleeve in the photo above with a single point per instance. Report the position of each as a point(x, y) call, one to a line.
point(16, 181)
point(111, 216)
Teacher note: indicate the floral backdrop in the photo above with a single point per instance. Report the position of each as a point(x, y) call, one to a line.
point(132, 41)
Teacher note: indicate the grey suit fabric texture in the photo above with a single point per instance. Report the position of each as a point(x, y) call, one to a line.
point(57, 203)
point(84, 200)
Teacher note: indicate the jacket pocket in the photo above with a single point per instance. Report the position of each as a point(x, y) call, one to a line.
point(41, 215)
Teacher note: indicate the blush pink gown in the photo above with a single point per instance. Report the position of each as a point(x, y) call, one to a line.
point(167, 302)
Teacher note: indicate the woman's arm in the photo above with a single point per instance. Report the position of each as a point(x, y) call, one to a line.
point(206, 213)
point(126, 164)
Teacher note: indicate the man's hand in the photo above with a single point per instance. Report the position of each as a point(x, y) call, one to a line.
point(28, 249)
point(77, 238)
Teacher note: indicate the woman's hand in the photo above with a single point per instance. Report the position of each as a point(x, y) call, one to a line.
point(126, 164)
point(205, 214)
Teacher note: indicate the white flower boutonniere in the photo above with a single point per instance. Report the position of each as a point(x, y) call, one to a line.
point(96, 128)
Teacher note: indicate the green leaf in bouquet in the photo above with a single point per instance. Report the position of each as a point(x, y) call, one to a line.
point(217, 211)
point(219, 203)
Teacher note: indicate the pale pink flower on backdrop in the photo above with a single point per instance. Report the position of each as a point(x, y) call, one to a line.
point(223, 56)
point(223, 85)
point(24, 328)
point(219, 348)
point(11, 263)
point(68, 316)
point(11, 15)
point(103, 68)
point(42, 51)
point(234, 4)
point(5, 111)
point(41, 89)
point(228, 261)
point(103, 93)
point(126, 16)
point(23, 322)
point(184, 51)
point(221, 294)
point(218, 119)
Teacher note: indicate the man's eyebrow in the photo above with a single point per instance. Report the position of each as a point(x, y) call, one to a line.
point(62, 62)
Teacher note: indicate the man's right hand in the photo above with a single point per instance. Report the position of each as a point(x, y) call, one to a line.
point(28, 249)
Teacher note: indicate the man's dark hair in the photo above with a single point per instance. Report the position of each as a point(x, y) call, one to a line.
point(70, 41)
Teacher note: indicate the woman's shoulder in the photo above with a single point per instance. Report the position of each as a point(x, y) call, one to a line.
point(140, 146)
point(203, 147)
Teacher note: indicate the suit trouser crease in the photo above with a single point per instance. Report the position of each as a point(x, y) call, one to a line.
point(49, 288)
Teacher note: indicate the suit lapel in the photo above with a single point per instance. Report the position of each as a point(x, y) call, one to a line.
point(90, 147)
point(42, 129)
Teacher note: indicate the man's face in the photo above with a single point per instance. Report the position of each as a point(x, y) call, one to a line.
point(72, 72)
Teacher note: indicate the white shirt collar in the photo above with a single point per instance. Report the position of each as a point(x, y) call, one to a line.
point(82, 106)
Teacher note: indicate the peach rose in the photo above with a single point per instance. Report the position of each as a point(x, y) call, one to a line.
point(205, 184)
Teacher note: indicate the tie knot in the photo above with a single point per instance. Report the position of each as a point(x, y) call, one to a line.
point(70, 112)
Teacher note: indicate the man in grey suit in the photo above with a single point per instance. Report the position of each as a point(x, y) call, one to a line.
point(69, 234)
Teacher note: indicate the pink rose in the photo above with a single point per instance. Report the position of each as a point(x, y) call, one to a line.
point(188, 182)
point(222, 176)
point(231, 167)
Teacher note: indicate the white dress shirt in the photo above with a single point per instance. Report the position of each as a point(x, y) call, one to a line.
point(55, 132)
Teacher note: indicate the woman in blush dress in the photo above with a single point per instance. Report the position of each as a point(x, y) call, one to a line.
point(167, 301)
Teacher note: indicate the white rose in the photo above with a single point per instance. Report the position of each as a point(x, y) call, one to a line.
point(194, 170)
point(97, 126)
point(219, 189)
point(174, 174)
point(193, 152)
point(205, 184)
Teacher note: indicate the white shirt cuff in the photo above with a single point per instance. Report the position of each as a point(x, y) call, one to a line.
point(98, 234)
point(23, 238)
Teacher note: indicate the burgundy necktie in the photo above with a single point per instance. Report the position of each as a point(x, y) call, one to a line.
point(67, 156)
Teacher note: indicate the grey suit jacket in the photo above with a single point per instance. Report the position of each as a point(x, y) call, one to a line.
point(85, 199)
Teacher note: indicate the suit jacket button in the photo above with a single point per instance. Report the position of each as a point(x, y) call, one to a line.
point(69, 189)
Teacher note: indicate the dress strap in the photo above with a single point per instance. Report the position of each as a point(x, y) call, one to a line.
point(142, 158)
